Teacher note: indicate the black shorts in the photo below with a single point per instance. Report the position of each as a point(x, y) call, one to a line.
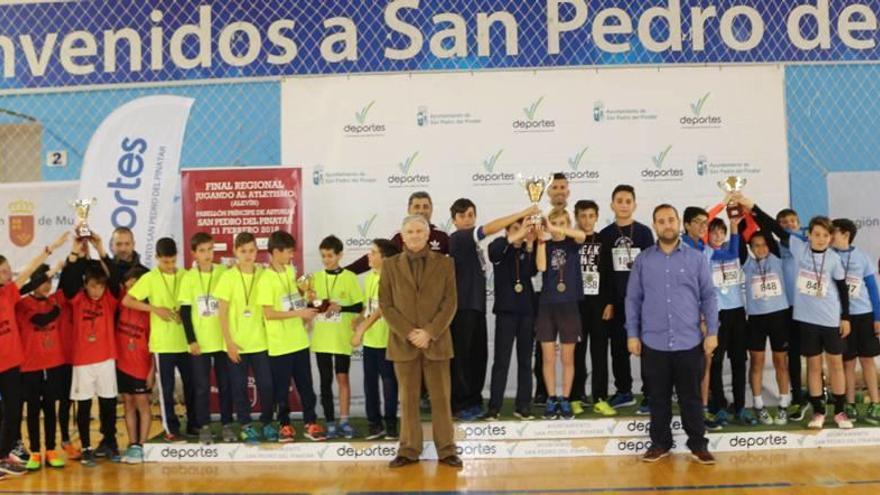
point(559, 319)
point(128, 384)
point(816, 339)
point(46, 384)
point(861, 342)
point(775, 325)
point(340, 363)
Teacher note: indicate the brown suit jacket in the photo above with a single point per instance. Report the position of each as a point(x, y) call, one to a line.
point(430, 307)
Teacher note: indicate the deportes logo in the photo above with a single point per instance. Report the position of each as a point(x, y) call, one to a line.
point(532, 123)
point(406, 177)
point(660, 173)
point(698, 119)
point(575, 174)
point(363, 234)
point(489, 176)
point(422, 116)
point(318, 175)
point(361, 127)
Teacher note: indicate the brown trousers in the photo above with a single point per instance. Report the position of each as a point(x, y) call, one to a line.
point(437, 381)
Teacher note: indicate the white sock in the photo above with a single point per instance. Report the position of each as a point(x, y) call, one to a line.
point(759, 402)
point(785, 400)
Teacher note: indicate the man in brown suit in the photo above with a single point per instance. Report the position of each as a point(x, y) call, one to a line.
point(418, 299)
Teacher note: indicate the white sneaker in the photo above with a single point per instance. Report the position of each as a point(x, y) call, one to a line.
point(818, 422)
point(843, 421)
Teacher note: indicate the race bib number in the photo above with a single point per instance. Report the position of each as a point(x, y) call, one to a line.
point(207, 306)
point(292, 302)
point(623, 258)
point(725, 275)
point(591, 284)
point(766, 287)
point(854, 284)
point(809, 284)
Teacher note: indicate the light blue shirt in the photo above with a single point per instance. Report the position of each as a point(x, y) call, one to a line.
point(725, 264)
point(859, 271)
point(768, 270)
point(825, 267)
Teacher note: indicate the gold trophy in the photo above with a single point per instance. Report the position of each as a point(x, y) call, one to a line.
point(82, 207)
point(729, 185)
point(535, 188)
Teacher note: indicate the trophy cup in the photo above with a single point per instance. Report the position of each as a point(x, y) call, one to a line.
point(306, 284)
point(535, 187)
point(82, 207)
point(733, 184)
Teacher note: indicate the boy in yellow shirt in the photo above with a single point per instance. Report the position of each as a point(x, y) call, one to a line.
point(286, 313)
point(157, 292)
point(332, 332)
point(199, 313)
point(244, 338)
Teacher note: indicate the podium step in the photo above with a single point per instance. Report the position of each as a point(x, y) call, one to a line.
point(522, 439)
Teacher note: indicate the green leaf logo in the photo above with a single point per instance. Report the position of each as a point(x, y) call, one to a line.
point(406, 165)
point(659, 159)
point(361, 116)
point(489, 163)
point(697, 107)
point(364, 228)
point(575, 161)
point(532, 109)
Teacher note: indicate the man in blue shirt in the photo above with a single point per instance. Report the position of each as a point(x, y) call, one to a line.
point(670, 292)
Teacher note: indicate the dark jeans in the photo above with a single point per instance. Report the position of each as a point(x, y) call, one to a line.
point(595, 333)
point(376, 367)
point(470, 342)
point(684, 371)
point(510, 327)
point(620, 362)
point(201, 377)
point(42, 389)
point(167, 362)
point(296, 365)
point(10, 390)
point(106, 418)
point(732, 341)
point(258, 363)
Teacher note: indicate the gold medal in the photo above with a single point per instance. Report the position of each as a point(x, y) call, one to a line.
point(92, 337)
point(247, 313)
point(47, 343)
point(560, 287)
point(518, 287)
point(131, 345)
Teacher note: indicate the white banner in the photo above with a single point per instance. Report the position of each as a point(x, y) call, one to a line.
point(34, 215)
point(366, 143)
point(509, 448)
point(853, 195)
point(131, 167)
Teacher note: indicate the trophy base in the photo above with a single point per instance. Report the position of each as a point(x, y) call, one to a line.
point(734, 211)
point(83, 233)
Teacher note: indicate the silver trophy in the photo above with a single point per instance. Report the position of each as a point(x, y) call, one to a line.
point(535, 188)
point(732, 184)
point(82, 207)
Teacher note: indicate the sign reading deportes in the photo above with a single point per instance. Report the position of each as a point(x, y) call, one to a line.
point(671, 133)
point(131, 166)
